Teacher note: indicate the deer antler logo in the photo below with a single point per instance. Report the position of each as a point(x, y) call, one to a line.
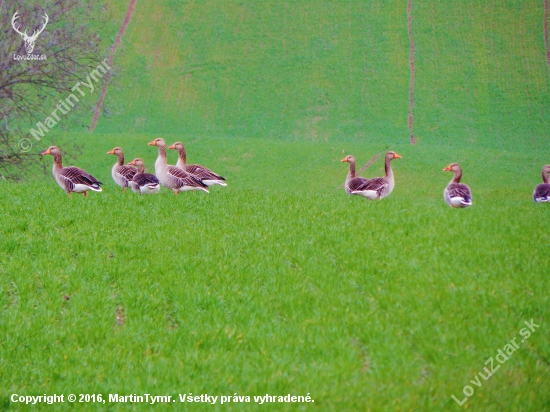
point(29, 40)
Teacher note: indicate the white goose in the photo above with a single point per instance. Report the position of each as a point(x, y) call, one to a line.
point(207, 176)
point(457, 194)
point(542, 191)
point(71, 179)
point(375, 188)
point(143, 183)
point(121, 174)
point(173, 177)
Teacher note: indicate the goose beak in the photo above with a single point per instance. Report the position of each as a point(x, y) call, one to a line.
point(396, 156)
point(46, 152)
point(111, 151)
point(345, 159)
point(447, 169)
point(173, 147)
point(153, 143)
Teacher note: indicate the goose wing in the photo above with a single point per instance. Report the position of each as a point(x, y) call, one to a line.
point(459, 190)
point(377, 184)
point(127, 172)
point(182, 178)
point(542, 191)
point(202, 173)
point(73, 176)
point(145, 179)
point(357, 184)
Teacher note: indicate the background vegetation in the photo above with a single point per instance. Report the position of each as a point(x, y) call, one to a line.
point(31, 90)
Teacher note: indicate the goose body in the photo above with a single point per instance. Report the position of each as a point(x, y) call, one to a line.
point(353, 184)
point(122, 174)
point(72, 179)
point(457, 194)
point(542, 191)
point(207, 176)
point(373, 189)
point(173, 177)
point(143, 183)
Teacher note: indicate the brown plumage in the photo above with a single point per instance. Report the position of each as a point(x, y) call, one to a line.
point(457, 194)
point(207, 176)
point(71, 179)
point(375, 188)
point(173, 177)
point(353, 182)
point(143, 183)
point(121, 174)
point(542, 191)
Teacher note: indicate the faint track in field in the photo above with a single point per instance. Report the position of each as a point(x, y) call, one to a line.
point(411, 63)
point(118, 39)
point(546, 9)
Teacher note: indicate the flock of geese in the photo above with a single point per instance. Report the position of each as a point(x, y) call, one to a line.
point(456, 194)
point(180, 178)
point(184, 177)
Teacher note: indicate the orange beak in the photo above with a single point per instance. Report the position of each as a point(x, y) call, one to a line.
point(345, 159)
point(153, 143)
point(447, 169)
point(46, 152)
point(132, 163)
point(173, 147)
point(398, 156)
point(111, 151)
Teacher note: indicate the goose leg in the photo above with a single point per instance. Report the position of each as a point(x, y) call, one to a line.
point(85, 194)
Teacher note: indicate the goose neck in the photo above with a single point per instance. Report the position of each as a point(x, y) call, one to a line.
point(387, 167)
point(183, 155)
point(545, 178)
point(457, 176)
point(351, 169)
point(57, 162)
point(162, 153)
point(161, 164)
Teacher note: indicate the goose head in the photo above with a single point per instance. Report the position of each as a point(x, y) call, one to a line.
point(117, 151)
point(453, 167)
point(159, 141)
point(393, 155)
point(52, 150)
point(177, 146)
point(137, 162)
point(546, 169)
point(348, 159)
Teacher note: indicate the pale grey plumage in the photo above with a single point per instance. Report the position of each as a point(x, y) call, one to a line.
point(173, 177)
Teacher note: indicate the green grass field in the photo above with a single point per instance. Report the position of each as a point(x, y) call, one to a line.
point(280, 282)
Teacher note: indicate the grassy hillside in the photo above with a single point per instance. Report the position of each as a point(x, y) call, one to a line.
point(332, 70)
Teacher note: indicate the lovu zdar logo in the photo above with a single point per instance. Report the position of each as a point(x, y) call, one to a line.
point(29, 40)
